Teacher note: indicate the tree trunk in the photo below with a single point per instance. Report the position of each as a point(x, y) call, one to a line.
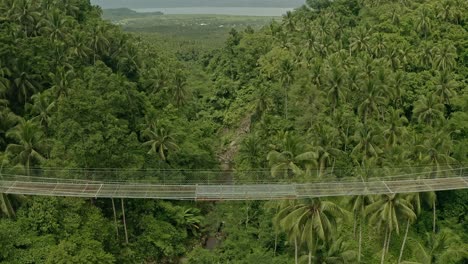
point(124, 222)
point(354, 226)
point(433, 217)
point(360, 241)
point(286, 103)
point(310, 257)
point(388, 242)
point(115, 218)
point(404, 241)
point(384, 246)
point(276, 244)
point(295, 251)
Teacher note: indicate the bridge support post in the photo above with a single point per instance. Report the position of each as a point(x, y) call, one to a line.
point(115, 218)
point(123, 217)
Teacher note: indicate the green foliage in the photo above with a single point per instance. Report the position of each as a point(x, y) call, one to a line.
point(333, 85)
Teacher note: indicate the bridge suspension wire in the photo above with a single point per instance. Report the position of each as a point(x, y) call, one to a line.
point(242, 185)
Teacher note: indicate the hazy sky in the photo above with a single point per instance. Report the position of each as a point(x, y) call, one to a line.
point(196, 3)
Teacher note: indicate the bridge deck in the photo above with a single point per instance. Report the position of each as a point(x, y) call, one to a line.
point(205, 192)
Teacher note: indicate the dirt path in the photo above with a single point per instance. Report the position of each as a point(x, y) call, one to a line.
point(228, 153)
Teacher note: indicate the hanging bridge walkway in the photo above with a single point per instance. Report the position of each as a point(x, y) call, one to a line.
point(214, 185)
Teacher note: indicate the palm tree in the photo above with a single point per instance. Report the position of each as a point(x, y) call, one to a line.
point(78, 46)
point(42, 109)
point(289, 22)
point(4, 82)
point(5, 206)
point(7, 120)
point(30, 144)
point(428, 198)
point(292, 231)
point(56, 25)
point(179, 89)
point(314, 219)
point(372, 100)
point(61, 81)
point(445, 11)
point(286, 77)
point(25, 83)
point(387, 212)
point(424, 22)
point(336, 88)
point(250, 151)
point(99, 42)
point(429, 110)
point(445, 57)
point(160, 141)
point(435, 151)
point(333, 252)
point(445, 87)
point(189, 218)
point(285, 164)
point(358, 204)
point(324, 142)
point(367, 143)
point(380, 46)
point(360, 40)
point(396, 130)
point(25, 12)
point(396, 87)
point(443, 247)
point(426, 54)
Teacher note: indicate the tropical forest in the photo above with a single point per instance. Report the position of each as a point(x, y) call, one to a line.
point(333, 91)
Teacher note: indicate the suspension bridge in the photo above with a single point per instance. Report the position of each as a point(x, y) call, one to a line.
point(215, 185)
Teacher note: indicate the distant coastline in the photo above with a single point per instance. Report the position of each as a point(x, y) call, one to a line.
point(239, 11)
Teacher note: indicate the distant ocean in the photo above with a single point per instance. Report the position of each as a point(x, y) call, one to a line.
point(235, 11)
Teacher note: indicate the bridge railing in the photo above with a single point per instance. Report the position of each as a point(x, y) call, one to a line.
point(212, 177)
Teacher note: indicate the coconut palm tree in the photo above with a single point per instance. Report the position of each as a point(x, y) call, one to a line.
point(396, 131)
point(372, 99)
point(368, 141)
point(440, 248)
point(285, 164)
point(179, 89)
point(42, 108)
point(445, 57)
point(424, 23)
point(429, 110)
point(335, 86)
point(386, 212)
point(99, 42)
point(334, 252)
point(435, 151)
point(358, 204)
point(29, 149)
point(286, 77)
point(25, 83)
point(25, 12)
point(445, 87)
point(289, 21)
point(314, 221)
point(325, 141)
point(4, 81)
point(55, 26)
point(160, 140)
point(61, 81)
point(426, 55)
point(359, 41)
point(78, 45)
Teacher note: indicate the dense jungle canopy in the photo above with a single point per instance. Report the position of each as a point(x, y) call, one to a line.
point(352, 84)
